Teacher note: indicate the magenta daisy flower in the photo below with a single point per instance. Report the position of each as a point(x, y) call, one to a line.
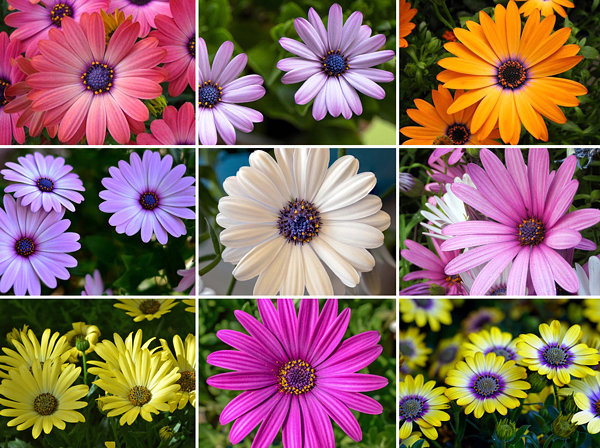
point(176, 128)
point(44, 183)
point(177, 35)
point(33, 21)
point(143, 12)
point(9, 74)
point(220, 90)
point(455, 156)
point(296, 373)
point(87, 86)
point(527, 225)
point(94, 286)
point(189, 279)
point(34, 247)
point(334, 62)
point(147, 194)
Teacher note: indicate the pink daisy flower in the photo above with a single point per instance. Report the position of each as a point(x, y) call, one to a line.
point(176, 128)
point(188, 279)
point(527, 225)
point(87, 86)
point(455, 156)
point(33, 21)
point(9, 75)
point(94, 286)
point(177, 35)
point(143, 12)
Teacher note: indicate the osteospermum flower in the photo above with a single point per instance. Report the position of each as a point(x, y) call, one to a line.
point(333, 62)
point(178, 36)
point(481, 318)
point(34, 248)
point(16, 334)
point(43, 397)
point(297, 373)
point(527, 224)
point(82, 332)
point(487, 383)
point(33, 21)
point(421, 404)
point(423, 311)
point(147, 195)
point(545, 7)
point(413, 349)
point(589, 283)
point(191, 303)
point(176, 128)
point(412, 439)
point(441, 128)
point(143, 12)
point(110, 351)
point(44, 182)
point(94, 286)
point(558, 354)
point(587, 398)
point(220, 91)
point(9, 74)
point(446, 355)
point(148, 309)
point(188, 279)
point(284, 217)
point(492, 341)
point(406, 15)
point(183, 361)
point(87, 86)
point(509, 74)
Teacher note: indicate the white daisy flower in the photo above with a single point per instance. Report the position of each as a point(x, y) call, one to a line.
point(589, 285)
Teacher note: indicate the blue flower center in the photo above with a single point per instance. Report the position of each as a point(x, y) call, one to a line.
point(511, 75)
point(3, 86)
point(25, 247)
point(98, 77)
point(498, 291)
point(334, 64)
point(149, 201)
point(556, 356)
point(299, 221)
point(486, 385)
point(209, 94)
point(531, 232)
point(411, 408)
point(45, 184)
point(297, 377)
point(192, 46)
point(59, 12)
point(423, 303)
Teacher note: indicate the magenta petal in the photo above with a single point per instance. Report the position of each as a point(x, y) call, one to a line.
point(586, 244)
point(503, 181)
point(320, 432)
point(359, 361)
point(476, 257)
point(517, 168)
point(541, 273)
point(476, 200)
point(247, 422)
point(356, 401)
point(270, 317)
point(578, 220)
point(289, 326)
point(328, 315)
point(562, 203)
point(263, 336)
point(563, 273)
point(517, 278)
point(421, 256)
point(307, 320)
point(292, 428)
point(242, 380)
point(479, 239)
point(437, 153)
point(331, 339)
point(490, 273)
point(246, 344)
point(563, 176)
point(537, 171)
point(562, 238)
point(354, 382)
point(351, 346)
point(340, 414)
point(471, 227)
point(245, 402)
point(271, 425)
point(234, 360)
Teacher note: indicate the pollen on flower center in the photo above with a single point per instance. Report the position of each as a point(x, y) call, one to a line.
point(531, 232)
point(334, 63)
point(59, 12)
point(45, 404)
point(411, 408)
point(3, 86)
point(187, 382)
point(297, 377)
point(25, 247)
point(44, 184)
point(299, 221)
point(98, 78)
point(556, 356)
point(459, 133)
point(486, 385)
point(511, 75)
point(149, 201)
point(139, 395)
point(454, 279)
point(498, 291)
point(192, 46)
point(149, 306)
point(209, 94)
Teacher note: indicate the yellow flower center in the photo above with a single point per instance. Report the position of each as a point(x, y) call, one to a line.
point(139, 395)
point(45, 404)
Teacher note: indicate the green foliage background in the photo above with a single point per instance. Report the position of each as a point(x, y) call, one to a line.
point(379, 431)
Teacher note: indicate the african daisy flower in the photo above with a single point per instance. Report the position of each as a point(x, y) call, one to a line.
point(481, 318)
point(33, 21)
point(413, 349)
point(558, 354)
point(297, 373)
point(44, 182)
point(441, 128)
point(82, 332)
point(94, 286)
point(546, 7)
point(421, 404)
point(423, 311)
point(492, 341)
point(589, 284)
point(487, 383)
point(446, 355)
point(9, 74)
point(177, 35)
point(591, 310)
point(143, 12)
point(34, 248)
point(509, 74)
point(284, 218)
point(176, 128)
point(188, 279)
point(95, 86)
point(526, 206)
point(406, 15)
point(147, 195)
point(148, 309)
point(219, 91)
point(333, 62)
point(587, 397)
point(183, 360)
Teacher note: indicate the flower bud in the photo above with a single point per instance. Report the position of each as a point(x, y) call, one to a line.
point(157, 105)
point(437, 290)
point(570, 406)
point(506, 430)
point(537, 381)
point(166, 433)
point(410, 185)
point(473, 152)
point(82, 344)
point(562, 426)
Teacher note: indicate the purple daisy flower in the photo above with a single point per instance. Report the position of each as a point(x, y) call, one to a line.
point(297, 373)
point(33, 247)
point(44, 182)
point(188, 279)
point(148, 195)
point(334, 62)
point(94, 286)
point(527, 225)
point(220, 91)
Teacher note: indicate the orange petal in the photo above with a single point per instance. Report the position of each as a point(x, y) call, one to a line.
point(485, 109)
point(513, 28)
point(477, 45)
point(468, 99)
point(549, 46)
point(529, 117)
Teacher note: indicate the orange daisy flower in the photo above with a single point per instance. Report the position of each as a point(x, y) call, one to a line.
point(546, 7)
point(406, 15)
point(509, 74)
point(441, 128)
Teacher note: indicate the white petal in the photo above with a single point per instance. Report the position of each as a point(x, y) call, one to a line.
point(301, 171)
point(233, 255)
point(318, 282)
point(353, 233)
point(293, 282)
point(318, 161)
point(258, 259)
point(269, 282)
point(342, 169)
point(226, 222)
point(264, 163)
point(233, 188)
point(380, 220)
point(336, 262)
point(358, 257)
point(285, 160)
point(348, 192)
point(247, 234)
point(246, 210)
point(594, 270)
point(367, 206)
point(260, 187)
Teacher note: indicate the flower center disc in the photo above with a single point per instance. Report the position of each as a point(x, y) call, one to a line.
point(192, 46)
point(499, 291)
point(3, 86)
point(447, 355)
point(187, 382)
point(411, 408)
point(454, 279)
point(59, 12)
point(299, 221)
point(406, 348)
point(149, 201)
point(98, 77)
point(150, 306)
point(512, 75)
point(297, 377)
point(45, 404)
point(45, 184)
point(423, 303)
point(499, 351)
point(139, 395)
point(597, 407)
point(556, 356)
point(486, 385)
point(209, 94)
point(334, 64)
point(458, 133)
point(532, 232)
point(25, 247)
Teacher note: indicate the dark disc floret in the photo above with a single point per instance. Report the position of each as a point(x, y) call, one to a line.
point(502, 351)
point(498, 290)
point(334, 63)
point(3, 86)
point(454, 279)
point(192, 46)
point(25, 247)
point(149, 200)
point(407, 348)
point(448, 354)
point(556, 356)
point(512, 75)
point(459, 133)
point(209, 94)
point(44, 184)
point(59, 12)
point(486, 385)
point(140, 2)
point(297, 377)
point(531, 232)
point(299, 221)
point(412, 407)
point(423, 303)
point(98, 78)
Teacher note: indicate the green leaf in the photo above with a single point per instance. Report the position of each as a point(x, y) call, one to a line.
point(589, 53)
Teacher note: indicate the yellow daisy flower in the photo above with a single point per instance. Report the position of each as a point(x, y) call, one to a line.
point(141, 309)
point(184, 361)
point(587, 398)
point(412, 439)
point(558, 355)
point(80, 332)
point(546, 7)
point(16, 334)
point(406, 15)
point(535, 402)
point(413, 349)
point(110, 351)
point(591, 310)
point(492, 341)
point(43, 397)
point(191, 303)
point(423, 311)
point(487, 384)
point(446, 356)
point(112, 22)
point(420, 404)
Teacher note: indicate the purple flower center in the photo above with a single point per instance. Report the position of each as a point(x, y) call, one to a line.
point(447, 355)
point(3, 86)
point(297, 377)
point(149, 201)
point(406, 348)
point(423, 303)
point(299, 221)
point(502, 351)
point(498, 291)
point(45, 184)
point(556, 356)
point(59, 12)
point(486, 385)
point(139, 2)
point(412, 408)
point(459, 133)
point(532, 232)
point(192, 46)
point(334, 64)
point(25, 247)
point(209, 94)
point(98, 77)
point(511, 75)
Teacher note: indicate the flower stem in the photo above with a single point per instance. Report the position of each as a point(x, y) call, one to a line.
point(556, 396)
point(435, 443)
point(84, 369)
point(231, 286)
point(209, 267)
